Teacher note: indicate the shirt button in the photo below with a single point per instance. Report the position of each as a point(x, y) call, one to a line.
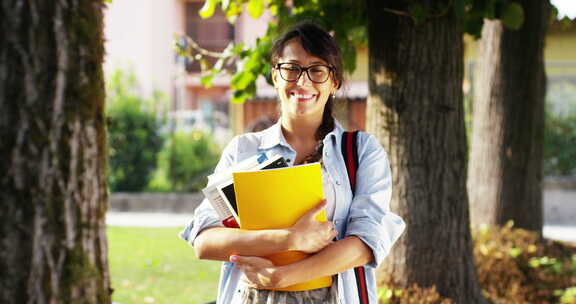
point(326, 153)
point(338, 183)
point(288, 160)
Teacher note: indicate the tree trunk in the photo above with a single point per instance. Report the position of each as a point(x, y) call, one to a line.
point(415, 108)
point(505, 174)
point(53, 246)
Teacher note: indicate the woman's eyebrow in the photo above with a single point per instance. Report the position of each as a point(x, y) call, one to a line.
point(298, 62)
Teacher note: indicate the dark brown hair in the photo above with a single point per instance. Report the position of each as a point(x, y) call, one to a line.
point(318, 43)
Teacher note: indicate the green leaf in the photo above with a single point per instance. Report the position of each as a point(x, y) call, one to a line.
point(388, 294)
point(553, 13)
point(241, 80)
point(207, 9)
point(206, 80)
point(513, 16)
point(238, 48)
point(418, 12)
point(255, 8)
point(490, 9)
point(460, 9)
point(238, 97)
point(514, 252)
point(557, 268)
point(273, 10)
point(566, 22)
point(233, 11)
point(473, 26)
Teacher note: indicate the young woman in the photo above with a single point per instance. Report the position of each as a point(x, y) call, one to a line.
point(307, 72)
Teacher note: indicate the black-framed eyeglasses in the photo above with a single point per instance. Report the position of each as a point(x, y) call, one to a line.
point(291, 72)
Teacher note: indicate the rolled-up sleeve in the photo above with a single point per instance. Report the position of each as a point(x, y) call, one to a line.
point(205, 216)
point(370, 218)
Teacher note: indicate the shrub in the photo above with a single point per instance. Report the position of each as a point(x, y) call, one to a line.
point(185, 161)
point(560, 131)
point(560, 144)
point(133, 135)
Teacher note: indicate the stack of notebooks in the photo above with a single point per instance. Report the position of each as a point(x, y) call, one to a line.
point(265, 193)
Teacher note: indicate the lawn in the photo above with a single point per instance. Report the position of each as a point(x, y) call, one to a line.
point(153, 265)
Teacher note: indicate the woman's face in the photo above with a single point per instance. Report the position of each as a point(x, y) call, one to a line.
point(302, 98)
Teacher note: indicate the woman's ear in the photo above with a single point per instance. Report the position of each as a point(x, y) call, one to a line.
point(335, 82)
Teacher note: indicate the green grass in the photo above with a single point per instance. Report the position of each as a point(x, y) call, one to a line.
point(153, 265)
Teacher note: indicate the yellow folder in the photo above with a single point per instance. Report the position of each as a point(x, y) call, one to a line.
point(277, 198)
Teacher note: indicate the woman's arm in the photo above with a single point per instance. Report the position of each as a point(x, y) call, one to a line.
point(307, 234)
point(219, 243)
point(337, 257)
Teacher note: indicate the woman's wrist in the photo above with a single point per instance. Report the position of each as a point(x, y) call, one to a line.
point(284, 276)
point(293, 239)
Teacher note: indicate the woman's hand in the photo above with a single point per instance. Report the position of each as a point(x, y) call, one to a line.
point(309, 235)
point(258, 272)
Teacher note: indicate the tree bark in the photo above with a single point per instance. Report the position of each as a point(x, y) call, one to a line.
point(505, 173)
point(415, 107)
point(53, 246)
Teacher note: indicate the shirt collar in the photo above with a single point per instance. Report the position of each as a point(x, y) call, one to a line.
point(273, 136)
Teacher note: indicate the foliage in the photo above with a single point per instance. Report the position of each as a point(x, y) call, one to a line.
point(186, 160)
point(133, 134)
point(515, 266)
point(346, 19)
point(152, 265)
point(567, 296)
point(560, 132)
point(412, 295)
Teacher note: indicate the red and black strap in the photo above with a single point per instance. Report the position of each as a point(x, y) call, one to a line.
point(350, 154)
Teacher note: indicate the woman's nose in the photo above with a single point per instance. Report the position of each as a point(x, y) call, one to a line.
point(304, 79)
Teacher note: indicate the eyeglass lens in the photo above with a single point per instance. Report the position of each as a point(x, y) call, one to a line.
point(316, 73)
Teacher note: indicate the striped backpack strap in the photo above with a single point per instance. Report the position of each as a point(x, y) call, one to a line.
point(350, 154)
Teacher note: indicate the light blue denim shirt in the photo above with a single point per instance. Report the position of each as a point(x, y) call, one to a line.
point(366, 215)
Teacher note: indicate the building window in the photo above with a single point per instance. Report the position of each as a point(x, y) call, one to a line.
point(213, 34)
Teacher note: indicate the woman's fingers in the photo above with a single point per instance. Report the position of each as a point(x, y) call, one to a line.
point(313, 213)
point(330, 229)
point(258, 272)
point(247, 282)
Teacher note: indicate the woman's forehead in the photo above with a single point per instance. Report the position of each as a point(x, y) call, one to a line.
point(295, 53)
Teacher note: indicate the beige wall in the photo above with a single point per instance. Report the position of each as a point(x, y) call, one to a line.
point(139, 35)
point(560, 47)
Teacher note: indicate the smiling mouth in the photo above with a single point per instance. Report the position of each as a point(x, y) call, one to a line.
point(303, 97)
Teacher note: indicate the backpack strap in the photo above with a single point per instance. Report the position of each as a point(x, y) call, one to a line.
point(350, 154)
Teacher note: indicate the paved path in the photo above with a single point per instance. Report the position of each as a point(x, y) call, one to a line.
point(142, 219)
point(139, 219)
point(563, 233)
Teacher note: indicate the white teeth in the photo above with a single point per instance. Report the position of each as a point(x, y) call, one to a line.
point(303, 96)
